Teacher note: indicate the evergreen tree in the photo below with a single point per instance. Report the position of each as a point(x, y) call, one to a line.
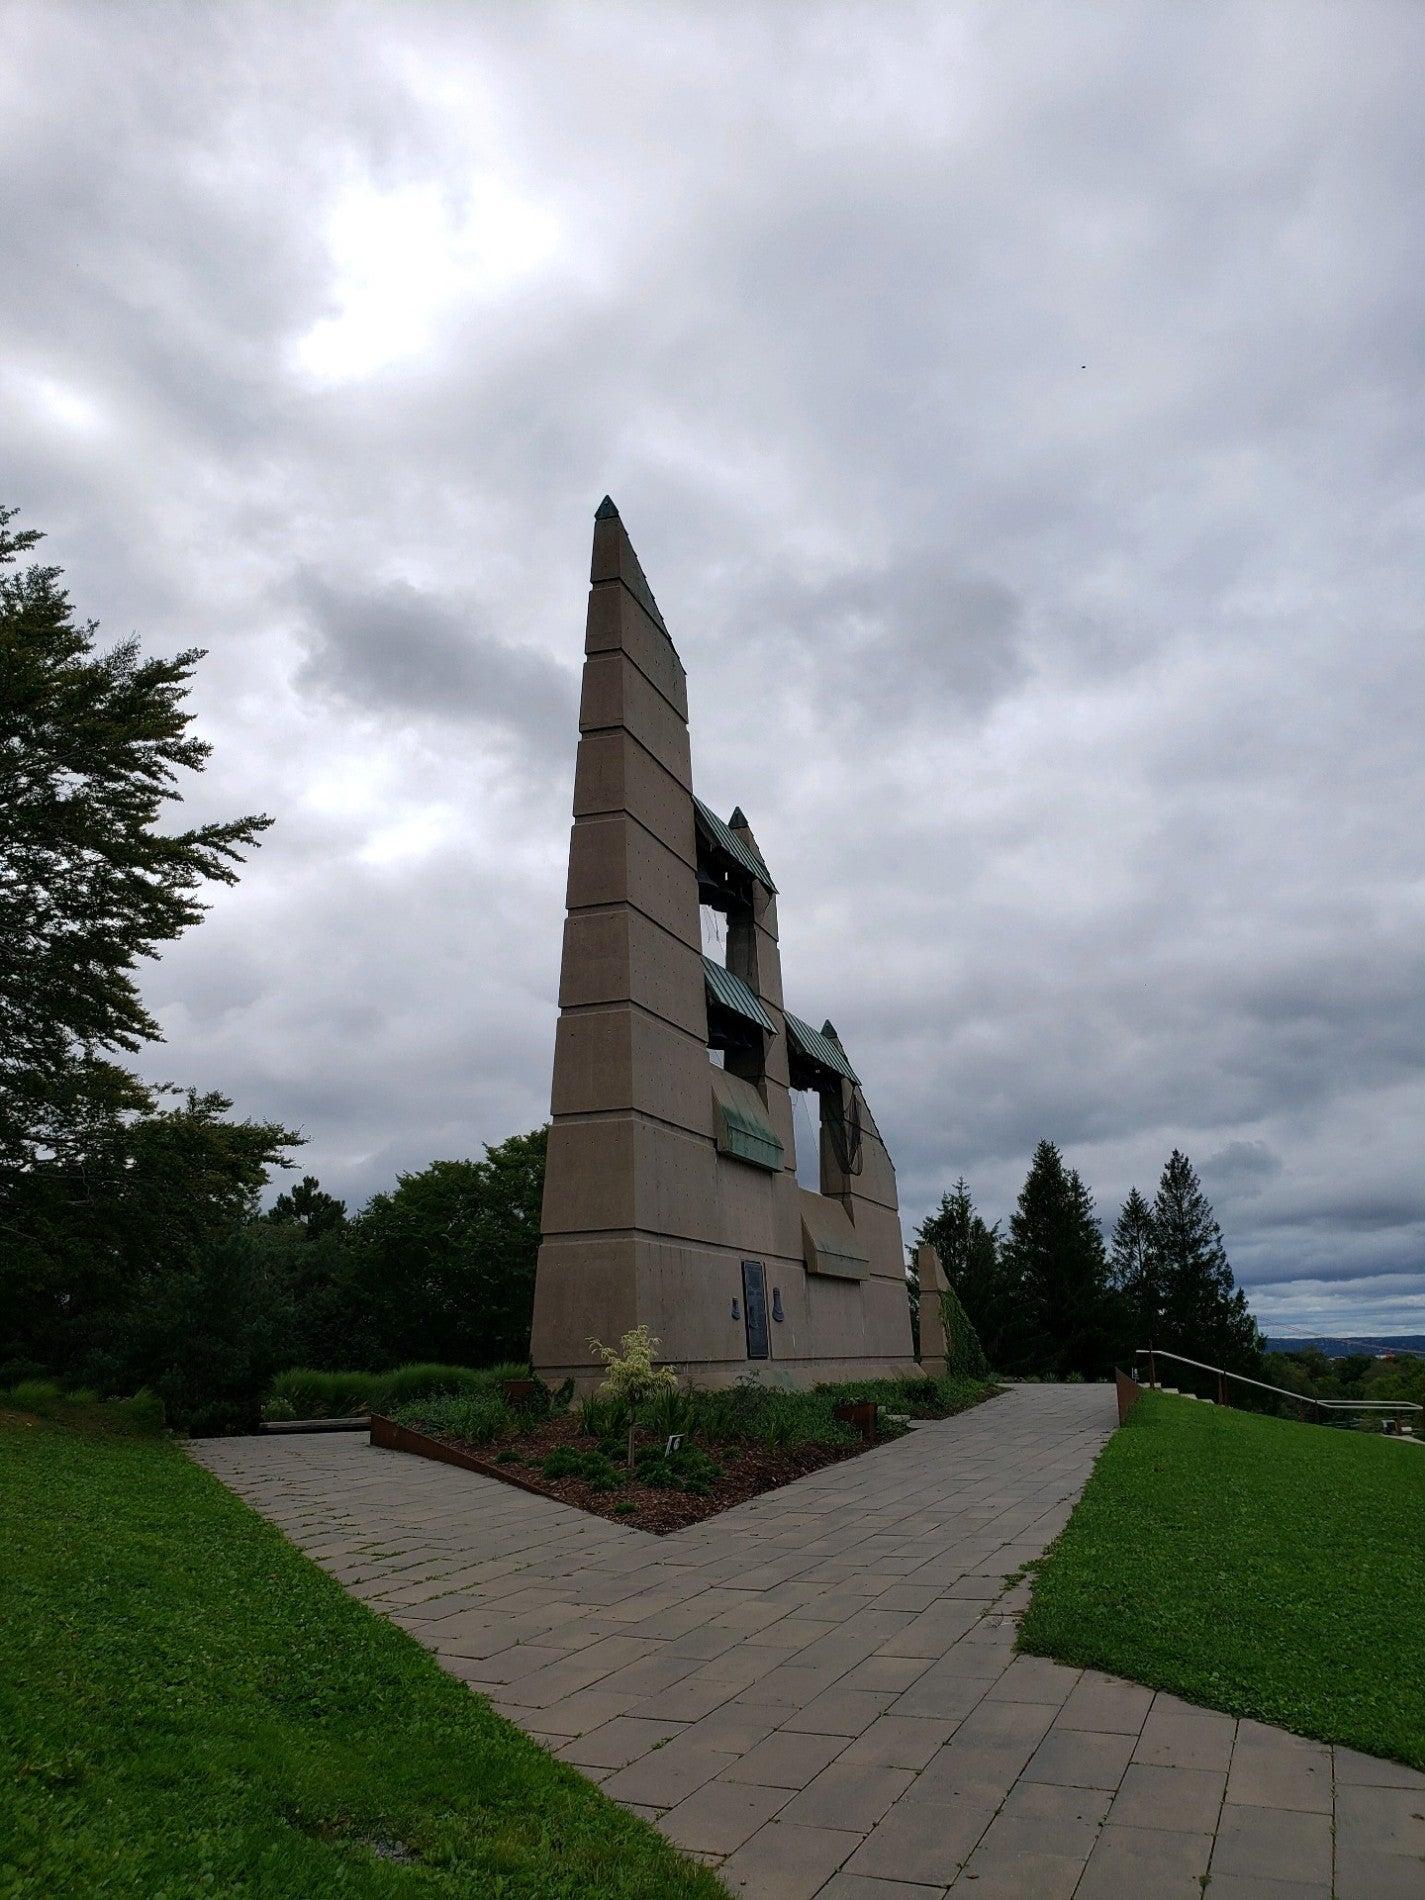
point(309, 1207)
point(1135, 1276)
point(1057, 1265)
point(970, 1254)
point(1204, 1312)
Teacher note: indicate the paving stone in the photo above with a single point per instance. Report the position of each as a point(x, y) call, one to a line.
point(1129, 1861)
point(1024, 1858)
point(895, 1673)
point(1081, 1758)
point(845, 1886)
point(731, 1730)
point(921, 1842)
point(1364, 1873)
point(786, 1759)
point(1273, 1844)
point(1369, 1771)
point(1035, 1679)
point(848, 1796)
point(1177, 1735)
point(1387, 1820)
point(1274, 1770)
point(1105, 1705)
point(841, 1711)
point(1244, 1887)
point(898, 1741)
point(785, 1862)
point(665, 1776)
point(721, 1815)
point(1054, 1801)
point(1186, 1799)
point(617, 1743)
point(826, 1675)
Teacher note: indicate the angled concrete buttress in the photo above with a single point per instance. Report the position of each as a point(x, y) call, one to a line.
point(671, 1198)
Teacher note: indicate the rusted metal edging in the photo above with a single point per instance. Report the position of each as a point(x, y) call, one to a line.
point(387, 1435)
point(1129, 1392)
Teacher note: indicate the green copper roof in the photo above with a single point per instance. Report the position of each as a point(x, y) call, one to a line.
point(733, 994)
point(819, 1048)
point(728, 841)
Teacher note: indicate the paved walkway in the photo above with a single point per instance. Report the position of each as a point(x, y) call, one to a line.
point(816, 1691)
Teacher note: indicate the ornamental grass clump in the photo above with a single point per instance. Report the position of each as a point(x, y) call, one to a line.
point(633, 1379)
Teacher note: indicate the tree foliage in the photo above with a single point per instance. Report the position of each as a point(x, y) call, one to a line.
point(91, 744)
point(1135, 1274)
point(1057, 1273)
point(1204, 1313)
point(970, 1254)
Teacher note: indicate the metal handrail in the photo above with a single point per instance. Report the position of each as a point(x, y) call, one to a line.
point(1153, 1353)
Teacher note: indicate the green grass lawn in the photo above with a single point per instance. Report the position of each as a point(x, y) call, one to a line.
point(189, 1706)
point(1266, 1568)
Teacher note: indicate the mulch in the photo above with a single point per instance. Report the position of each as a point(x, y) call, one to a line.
point(746, 1472)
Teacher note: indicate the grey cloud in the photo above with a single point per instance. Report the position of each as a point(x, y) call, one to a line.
point(395, 648)
point(1015, 421)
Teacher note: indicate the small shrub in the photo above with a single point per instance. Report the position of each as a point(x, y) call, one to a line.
point(142, 1413)
point(633, 1376)
point(686, 1469)
point(277, 1411)
point(590, 1466)
point(36, 1395)
point(964, 1355)
point(603, 1418)
point(480, 1418)
point(667, 1412)
point(329, 1394)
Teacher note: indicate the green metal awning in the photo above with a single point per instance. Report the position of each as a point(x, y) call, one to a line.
point(740, 1123)
point(818, 1047)
point(727, 840)
point(732, 993)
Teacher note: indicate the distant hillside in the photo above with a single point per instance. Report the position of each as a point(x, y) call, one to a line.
point(1336, 1348)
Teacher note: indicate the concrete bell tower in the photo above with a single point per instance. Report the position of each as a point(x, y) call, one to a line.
point(671, 1196)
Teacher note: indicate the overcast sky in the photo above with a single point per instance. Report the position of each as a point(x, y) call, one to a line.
point(1018, 413)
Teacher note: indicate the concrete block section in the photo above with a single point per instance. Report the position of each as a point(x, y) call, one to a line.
point(618, 622)
point(623, 1171)
point(613, 773)
point(618, 1057)
point(613, 860)
point(617, 697)
point(621, 956)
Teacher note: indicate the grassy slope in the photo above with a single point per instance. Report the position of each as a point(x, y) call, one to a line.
point(187, 1705)
point(1266, 1568)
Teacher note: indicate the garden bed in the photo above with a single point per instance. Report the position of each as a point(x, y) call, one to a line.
point(735, 1446)
point(746, 1471)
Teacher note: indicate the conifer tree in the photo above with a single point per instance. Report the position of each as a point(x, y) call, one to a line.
point(1059, 1271)
point(970, 1254)
point(1135, 1274)
point(1204, 1312)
